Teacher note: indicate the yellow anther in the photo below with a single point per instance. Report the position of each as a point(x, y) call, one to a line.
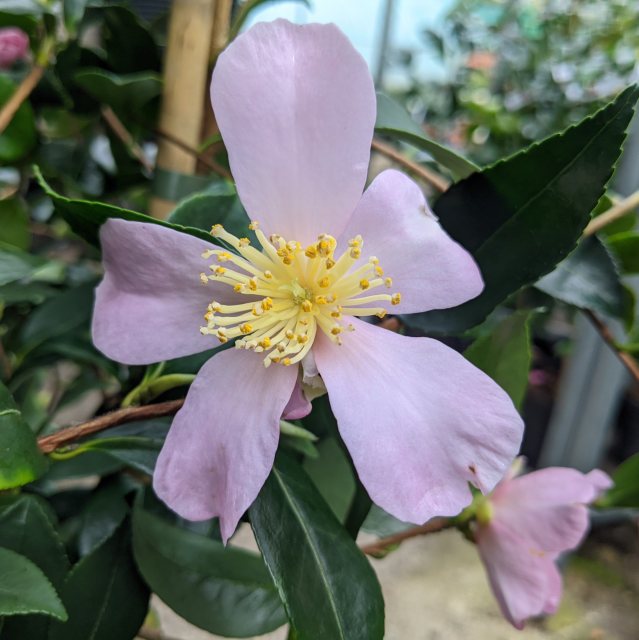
point(364, 284)
point(265, 343)
point(355, 242)
point(238, 288)
point(321, 300)
point(203, 278)
point(287, 259)
point(218, 270)
point(307, 306)
point(355, 252)
point(254, 225)
point(208, 315)
point(216, 229)
point(267, 304)
point(268, 275)
point(204, 331)
point(396, 298)
point(336, 314)
point(381, 313)
point(289, 334)
point(302, 339)
point(311, 252)
point(246, 328)
point(275, 359)
point(244, 242)
point(324, 283)
point(215, 306)
point(336, 330)
point(224, 256)
point(286, 362)
point(329, 263)
point(252, 283)
point(222, 339)
point(379, 271)
point(388, 282)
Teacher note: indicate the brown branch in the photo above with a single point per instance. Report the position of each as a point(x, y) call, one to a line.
point(22, 92)
point(434, 179)
point(207, 162)
point(618, 210)
point(604, 331)
point(379, 547)
point(68, 435)
point(115, 124)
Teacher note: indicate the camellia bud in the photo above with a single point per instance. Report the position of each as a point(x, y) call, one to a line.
point(14, 44)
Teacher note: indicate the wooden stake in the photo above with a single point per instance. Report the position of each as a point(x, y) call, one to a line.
point(185, 86)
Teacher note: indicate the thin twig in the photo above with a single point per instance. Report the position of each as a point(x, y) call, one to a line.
point(68, 435)
point(22, 92)
point(207, 162)
point(440, 183)
point(604, 331)
point(379, 547)
point(615, 212)
point(115, 124)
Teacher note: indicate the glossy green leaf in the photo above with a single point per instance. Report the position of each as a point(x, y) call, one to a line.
point(104, 594)
point(625, 492)
point(218, 205)
point(85, 216)
point(588, 279)
point(20, 135)
point(522, 216)
point(224, 590)
point(504, 354)
point(126, 94)
point(14, 223)
point(20, 459)
point(247, 7)
point(73, 12)
point(27, 527)
point(394, 121)
point(625, 247)
point(25, 589)
point(327, 585)
point(17, 265)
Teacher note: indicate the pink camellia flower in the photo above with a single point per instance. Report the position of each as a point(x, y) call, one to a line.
point(296, 109)
point(14, 44)
point(524, 525)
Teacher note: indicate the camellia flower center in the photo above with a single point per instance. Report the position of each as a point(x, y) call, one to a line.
point(293, 291)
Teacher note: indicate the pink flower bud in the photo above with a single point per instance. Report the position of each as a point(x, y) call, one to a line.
point(14, 44)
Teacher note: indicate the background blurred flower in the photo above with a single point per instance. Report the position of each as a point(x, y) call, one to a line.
point(14, 44)
point(524, 525)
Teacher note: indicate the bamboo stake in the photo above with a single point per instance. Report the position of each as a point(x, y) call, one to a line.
point(185, 85)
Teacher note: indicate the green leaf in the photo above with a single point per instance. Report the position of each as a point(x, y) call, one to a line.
point(625, 492)
point(625, 247)
point(27, 527)
point(217, 205)
point(303, 544)
point(17, 265)
point(14, 223)
point(25, 589)
point(587, 279)
point(126, 94)
point(52, 319)
point(86, 217)
point(504, 354)
point(21, 461)
point(224, 590)
point(245, 11)
point(73, 12)
point(20, 135)
point(520, 217)
point(104, 594)
point(394, 121)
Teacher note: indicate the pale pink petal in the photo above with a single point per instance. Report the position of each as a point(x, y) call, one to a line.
point(151, 303)
point(222, 443)
point(419, 420)
point(546, 507)
point(525, 582)
point(298, 405)
point(600, 481)
point(428, 268)
point(296, 109)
